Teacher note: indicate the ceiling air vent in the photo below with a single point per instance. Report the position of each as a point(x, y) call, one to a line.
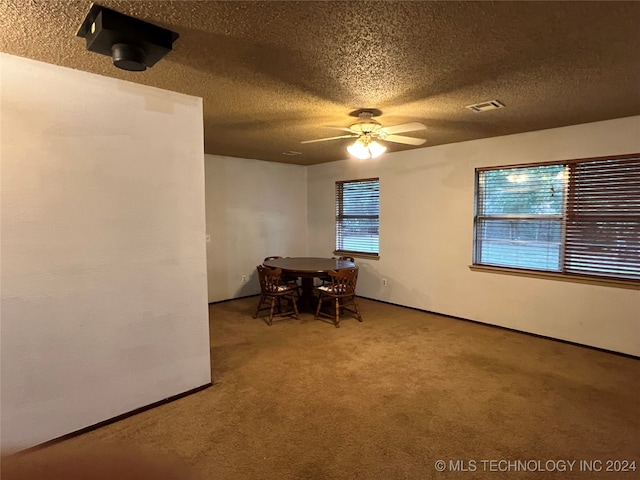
point(484, 106)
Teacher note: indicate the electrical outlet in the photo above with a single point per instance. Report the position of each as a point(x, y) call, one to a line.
point(244, 279)
point(384, 282)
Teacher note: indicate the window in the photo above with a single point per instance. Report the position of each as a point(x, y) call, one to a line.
point(578, 217)
point(357, 216)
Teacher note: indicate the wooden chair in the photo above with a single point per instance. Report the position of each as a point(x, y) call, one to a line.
point(273, 292)
point(327, 279)
point(285, 279)
point(342, 292)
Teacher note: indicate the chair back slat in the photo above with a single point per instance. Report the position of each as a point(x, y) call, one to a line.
point(343, 281)
point(269, 278)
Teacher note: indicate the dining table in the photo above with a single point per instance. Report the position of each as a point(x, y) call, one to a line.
point(308, 268)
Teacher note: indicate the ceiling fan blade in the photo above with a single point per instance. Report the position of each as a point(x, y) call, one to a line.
point(404, 127)
point(329, 138)
point(403, 139)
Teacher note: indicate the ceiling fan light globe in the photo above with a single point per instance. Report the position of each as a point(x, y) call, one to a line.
point(376, 149)
point(358, 150)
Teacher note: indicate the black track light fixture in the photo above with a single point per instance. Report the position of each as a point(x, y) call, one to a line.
point(133, 44)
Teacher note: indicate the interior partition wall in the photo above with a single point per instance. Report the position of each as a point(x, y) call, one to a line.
point(104, 282)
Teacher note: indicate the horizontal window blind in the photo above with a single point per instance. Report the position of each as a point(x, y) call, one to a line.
point(357, 216)
point(603, 218)
point(576, 217)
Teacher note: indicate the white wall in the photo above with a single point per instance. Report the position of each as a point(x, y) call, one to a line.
point(104, 296)
point(255, 209)
point(426, 236)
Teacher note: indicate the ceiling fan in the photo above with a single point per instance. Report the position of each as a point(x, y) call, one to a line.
point(368, 131)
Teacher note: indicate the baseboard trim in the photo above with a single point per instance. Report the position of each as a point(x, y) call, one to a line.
point(569, 342)
point(115, 419)
point(236, 298)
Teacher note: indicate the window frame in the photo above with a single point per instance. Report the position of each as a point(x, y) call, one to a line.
point(340, 216)
point(567, 212)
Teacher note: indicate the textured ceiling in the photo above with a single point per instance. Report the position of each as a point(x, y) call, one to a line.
point(273, 73)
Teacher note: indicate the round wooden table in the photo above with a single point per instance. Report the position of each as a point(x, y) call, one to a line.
point(308, 268)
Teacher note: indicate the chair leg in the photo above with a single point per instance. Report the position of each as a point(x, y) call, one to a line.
point(262, 298)
point(337, 313)
point(295, 306)
point(273, 304)
point(320, 299)
point(358, 316)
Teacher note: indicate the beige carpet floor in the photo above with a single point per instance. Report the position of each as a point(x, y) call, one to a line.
point(387, 399)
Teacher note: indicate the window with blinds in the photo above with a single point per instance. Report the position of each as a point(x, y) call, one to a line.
point(579, 217)
point(357, 216)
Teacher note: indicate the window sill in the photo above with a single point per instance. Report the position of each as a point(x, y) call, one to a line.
point(371, 256)
point(564, 277)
